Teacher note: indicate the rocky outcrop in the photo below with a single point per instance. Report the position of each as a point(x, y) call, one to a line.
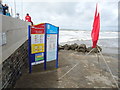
point(79, 48)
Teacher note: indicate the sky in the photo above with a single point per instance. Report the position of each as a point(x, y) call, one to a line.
point(68, 14)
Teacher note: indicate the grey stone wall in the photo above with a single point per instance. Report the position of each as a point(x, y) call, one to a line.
point(13, 66)
point(15, 31)
point(13, 49)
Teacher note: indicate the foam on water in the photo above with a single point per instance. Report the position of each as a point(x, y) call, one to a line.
point(66, 35)
point(72, 35)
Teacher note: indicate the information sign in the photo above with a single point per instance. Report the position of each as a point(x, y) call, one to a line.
point(37, 39)
point(43, 44)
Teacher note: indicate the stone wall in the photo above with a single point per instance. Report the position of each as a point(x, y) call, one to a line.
point(13, 50)
point(0, 54)
point(15, 31)
point(14, 65)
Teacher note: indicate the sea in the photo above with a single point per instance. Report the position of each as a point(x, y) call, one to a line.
point(71, 35)
point(106, 38)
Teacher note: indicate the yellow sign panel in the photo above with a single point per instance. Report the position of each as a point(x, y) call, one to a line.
point(37, 48)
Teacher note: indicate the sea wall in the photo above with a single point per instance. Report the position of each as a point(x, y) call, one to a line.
point(0, 54)
point(13, 46)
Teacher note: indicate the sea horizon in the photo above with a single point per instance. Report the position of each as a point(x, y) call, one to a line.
point(106, 30)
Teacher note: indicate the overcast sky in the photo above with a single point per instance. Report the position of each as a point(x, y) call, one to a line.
point(69, 14)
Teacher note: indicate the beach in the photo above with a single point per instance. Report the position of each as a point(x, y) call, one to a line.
point(64, 44)
point(84, 71)
point(87, 72)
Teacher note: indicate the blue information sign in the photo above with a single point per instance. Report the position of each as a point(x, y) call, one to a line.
point(52, 29)
point(42, 44)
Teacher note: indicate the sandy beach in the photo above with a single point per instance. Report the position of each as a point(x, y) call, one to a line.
point(88, 73)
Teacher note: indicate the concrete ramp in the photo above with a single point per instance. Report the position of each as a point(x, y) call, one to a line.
point(88, 74)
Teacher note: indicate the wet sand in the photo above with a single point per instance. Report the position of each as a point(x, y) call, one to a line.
point(87, 74)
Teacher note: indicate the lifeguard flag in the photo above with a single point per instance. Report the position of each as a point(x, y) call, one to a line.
point(96, 28)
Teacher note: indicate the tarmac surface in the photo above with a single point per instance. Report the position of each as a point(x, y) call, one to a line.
point(88, 73)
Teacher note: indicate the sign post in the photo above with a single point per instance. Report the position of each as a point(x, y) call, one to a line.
point(42, 44)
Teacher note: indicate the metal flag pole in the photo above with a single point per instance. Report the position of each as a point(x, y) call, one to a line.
point(15, 7)
point(99, 62)
point(22, 9)
point(11, 12)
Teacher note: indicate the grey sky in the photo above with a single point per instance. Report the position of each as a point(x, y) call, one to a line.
point(69, 14)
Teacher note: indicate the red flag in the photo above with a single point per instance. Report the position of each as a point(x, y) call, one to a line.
point(96, 28)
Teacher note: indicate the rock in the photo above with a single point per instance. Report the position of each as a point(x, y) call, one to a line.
point(89, 49)
point(74, 46)
point(79, 48)
point(66, 47)
point(82, 48)
point(61, 47)
point(95, 49)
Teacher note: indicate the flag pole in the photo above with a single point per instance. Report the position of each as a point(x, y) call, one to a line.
point(99, 62)
point(15, 7)
point(22, 9)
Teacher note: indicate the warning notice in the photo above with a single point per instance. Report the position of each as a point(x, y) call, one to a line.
point(37, 39)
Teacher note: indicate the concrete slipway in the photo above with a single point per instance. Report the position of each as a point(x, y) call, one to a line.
point(88, 74)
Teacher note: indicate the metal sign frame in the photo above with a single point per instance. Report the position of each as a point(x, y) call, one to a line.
point(31, 56)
